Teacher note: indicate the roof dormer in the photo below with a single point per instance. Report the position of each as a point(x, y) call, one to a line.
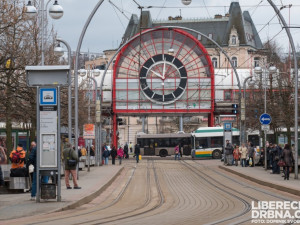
point(234, 38)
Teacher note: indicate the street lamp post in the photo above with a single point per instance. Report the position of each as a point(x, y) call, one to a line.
point(59, 51)
point(259, 70)
point(243, 131)
point(96, 73)
point(55, 12)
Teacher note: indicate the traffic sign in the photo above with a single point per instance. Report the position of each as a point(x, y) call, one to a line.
point(265, 127)
point(265, 119)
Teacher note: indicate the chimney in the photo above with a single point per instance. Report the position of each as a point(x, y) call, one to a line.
point(218, 16)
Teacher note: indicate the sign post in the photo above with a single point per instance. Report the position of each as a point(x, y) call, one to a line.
point(265, 120)
point(89, 134)
point(227, 136)
point(48, 80)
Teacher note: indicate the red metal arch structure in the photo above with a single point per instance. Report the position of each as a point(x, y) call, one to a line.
point(164, 71)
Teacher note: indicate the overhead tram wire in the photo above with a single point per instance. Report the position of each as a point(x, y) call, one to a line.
point(118, 8)
point(119, 18)
point(161, 9)
point(215, 6)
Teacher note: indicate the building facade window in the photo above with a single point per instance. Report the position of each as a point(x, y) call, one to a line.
point(199, 37)
point(233, 40)
point(227, 95)
point(234, 61)
point(256, 61)
point(215, 62)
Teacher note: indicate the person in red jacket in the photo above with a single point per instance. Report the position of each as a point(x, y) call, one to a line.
point(120, 154)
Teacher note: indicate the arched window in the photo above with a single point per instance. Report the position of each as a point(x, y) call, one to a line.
point(234, 61)
point(214, 62)
point(256, 61)
point(233, 40)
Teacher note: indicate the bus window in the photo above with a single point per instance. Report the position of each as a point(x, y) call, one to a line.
point(174, 142)
point(201, 142)
point(216, 142)
point(235, 140)
point(151, 143)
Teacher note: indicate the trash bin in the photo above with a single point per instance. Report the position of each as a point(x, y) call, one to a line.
point(48, 191)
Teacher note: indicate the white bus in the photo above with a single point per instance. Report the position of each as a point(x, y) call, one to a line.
point(208, 142)
point(164, 144)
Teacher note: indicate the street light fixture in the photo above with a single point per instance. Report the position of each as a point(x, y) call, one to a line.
point(55, 12)
point(30, 10)
point(58, 51)
point(96, 73)
point(271, 70)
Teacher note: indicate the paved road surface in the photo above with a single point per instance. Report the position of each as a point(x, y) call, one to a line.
point(168, 192)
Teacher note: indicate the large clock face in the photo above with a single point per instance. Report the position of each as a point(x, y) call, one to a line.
point(163, 79)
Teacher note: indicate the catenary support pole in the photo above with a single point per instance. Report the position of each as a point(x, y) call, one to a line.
point(76, 72)
point(287, 29)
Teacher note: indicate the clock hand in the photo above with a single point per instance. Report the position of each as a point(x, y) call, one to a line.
point(157, 74)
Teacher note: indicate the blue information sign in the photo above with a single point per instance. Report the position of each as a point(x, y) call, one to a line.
point(265, 119)
point(48, 96)
point(227, 126)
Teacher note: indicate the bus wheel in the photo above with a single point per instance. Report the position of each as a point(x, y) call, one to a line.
point(216, 154)
point(163, 153)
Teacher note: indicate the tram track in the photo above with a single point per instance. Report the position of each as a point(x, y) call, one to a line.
point(247, 206)
point(145, 208)
point(244, 185)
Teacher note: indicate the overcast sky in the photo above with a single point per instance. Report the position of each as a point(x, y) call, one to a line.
point(109, 23)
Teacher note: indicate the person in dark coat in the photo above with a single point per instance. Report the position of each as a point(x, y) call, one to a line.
point(113, 154)
point(275, 159)
point(288, 158)
point(32, 160)
point(137, 152)
point(105, 154)
point(126, 151)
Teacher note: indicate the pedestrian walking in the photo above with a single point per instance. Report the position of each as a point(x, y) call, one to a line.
point(126, 151)
point(288, 159)
point(113, 153)
point(32, 161)
point(251, 153)
point(275, 151)
point(105, 154)
point(137, 152)
point(3, 160)
point(177, 153)
point(71, 160)
point(130, 147)
point(120, 154)
point(228, 153)
point(236, 155)
point(243, 152)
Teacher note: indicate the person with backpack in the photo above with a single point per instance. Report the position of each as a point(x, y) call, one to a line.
point(17, 157)
point(71, 160)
